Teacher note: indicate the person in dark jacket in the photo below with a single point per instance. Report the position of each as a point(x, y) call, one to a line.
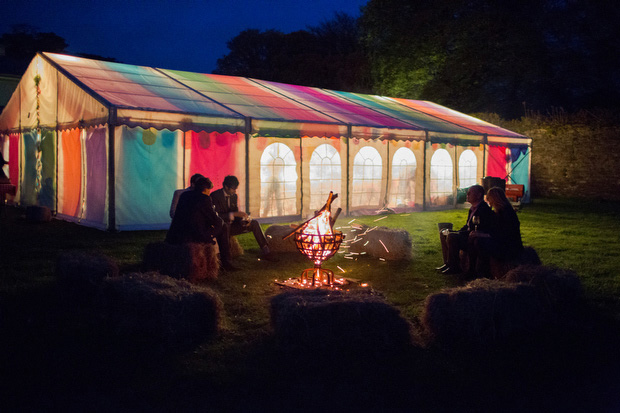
point(479, 218)
point(503, 241)
point(195, 220)
point(225, 203)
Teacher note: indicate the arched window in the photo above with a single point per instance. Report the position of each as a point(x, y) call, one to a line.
point(366, 178)
point(325, 174)
point(278, 181)
point(441, 178)
point(402, 187)
point(468, 169)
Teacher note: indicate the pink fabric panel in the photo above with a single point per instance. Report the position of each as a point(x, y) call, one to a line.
point(13, 158)
point(214, 155)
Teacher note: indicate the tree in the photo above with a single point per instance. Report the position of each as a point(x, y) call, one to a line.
point(23, 43)
point(328, 56)
point(485, 55)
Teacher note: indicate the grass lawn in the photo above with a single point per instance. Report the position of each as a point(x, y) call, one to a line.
point(51, 361)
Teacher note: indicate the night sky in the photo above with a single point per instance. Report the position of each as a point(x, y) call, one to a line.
point(182, 34)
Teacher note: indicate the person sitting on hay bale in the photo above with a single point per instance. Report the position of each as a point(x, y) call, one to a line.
point(225, 203)
point(503, 242)
point(177, 194)
point(479, 219)
point(195, 220)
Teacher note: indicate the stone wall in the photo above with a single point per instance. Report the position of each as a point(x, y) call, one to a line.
point(573, 156)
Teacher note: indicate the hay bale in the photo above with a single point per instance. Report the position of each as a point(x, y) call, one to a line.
point(499, 268)
point(482, 313)
point(274, 235)
point(192, 261)
point(235, 247)
point(38, 214)
point(558, 288)
point(337, 324)
point(391, 244)
point(80, 274)
point(156, 313)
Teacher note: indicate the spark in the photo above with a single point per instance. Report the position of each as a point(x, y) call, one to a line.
point(340, 268)
point(379, 219)
point(381, 259)
point(352, 220)
point(366, 243)
point(386, 250)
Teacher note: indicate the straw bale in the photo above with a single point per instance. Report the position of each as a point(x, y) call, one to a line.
point(336, 323)
point(482, 313)
point(274, 234)
point(528, 256)
point(81, 273)
point(235, 247)
point(159, 314)
point(38, 214)
point(558, 288)
point(192, 261)
point(391, 244)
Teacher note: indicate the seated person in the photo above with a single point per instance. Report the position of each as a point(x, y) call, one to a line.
point(479, 218)
point(225, 202)
point(178, 192)
point(504, 239)
point(195, 220)
point(3, 178)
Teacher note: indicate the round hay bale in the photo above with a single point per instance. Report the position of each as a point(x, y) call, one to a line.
point(392, 244)
point(156, 313)
point(558, 288)
point(38, 214)
point(482, 313)
point(80, 274)
point(338, 324)
point(274, 235)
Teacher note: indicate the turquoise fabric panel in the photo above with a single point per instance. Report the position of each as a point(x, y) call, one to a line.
point(146, 177)
point(47, 192)
point(520, 169)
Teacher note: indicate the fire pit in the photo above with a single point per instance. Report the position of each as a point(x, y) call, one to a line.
point(318, 241)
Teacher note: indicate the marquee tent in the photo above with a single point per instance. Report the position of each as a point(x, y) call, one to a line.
point(106, 144)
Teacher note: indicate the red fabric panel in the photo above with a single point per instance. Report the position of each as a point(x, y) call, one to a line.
point(496, 163)
point(72, 172)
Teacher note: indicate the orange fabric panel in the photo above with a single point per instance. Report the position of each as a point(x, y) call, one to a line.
point(72, 172)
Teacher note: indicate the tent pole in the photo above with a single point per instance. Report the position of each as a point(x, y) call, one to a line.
point(387, 175)
point(248, 131)
point(349, 136)
point(57, 140)
point(111, 172)
point(301, 177)
point(484, 156)
point(424, 186)
point(456, 175)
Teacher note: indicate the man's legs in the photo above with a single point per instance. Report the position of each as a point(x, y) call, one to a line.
point(237, 228)
point(223, 240)
point(444, 250)
point(456, 241)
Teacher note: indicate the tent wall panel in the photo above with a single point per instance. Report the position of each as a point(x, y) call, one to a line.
point(70, 173)
point(309, 146)
point(146, 169)
point(96, 200)
point(367, 204)
point(417, 190)
point(216, 155)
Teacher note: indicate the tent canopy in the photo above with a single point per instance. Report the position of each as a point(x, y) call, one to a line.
point(149, 97)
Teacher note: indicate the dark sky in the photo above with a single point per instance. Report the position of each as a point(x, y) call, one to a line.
point(171, 34)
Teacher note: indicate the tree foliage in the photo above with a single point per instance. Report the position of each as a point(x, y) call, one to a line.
point(328, 55)
point(486, 55)
point(23, 43)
